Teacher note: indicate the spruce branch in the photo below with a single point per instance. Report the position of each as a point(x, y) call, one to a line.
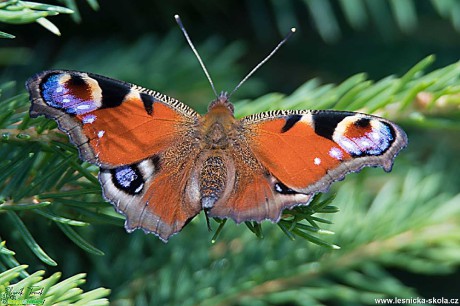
point(29, 240)
point(415, 99)
point(35, 289)
point(21, 12)
point(72, 4)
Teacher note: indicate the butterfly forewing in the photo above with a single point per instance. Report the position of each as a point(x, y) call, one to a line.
point(308, 150)
point(112, 123)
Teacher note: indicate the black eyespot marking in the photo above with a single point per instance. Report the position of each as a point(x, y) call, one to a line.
point(283, 189)
point(113, 93)
point(148, 102)
point(76, 81)
point(128, 178)
point(290, 122)
point(362, 122)
point(326, 122)
point(156, 162)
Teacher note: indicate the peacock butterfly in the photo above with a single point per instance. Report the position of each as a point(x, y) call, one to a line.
point(161, 163)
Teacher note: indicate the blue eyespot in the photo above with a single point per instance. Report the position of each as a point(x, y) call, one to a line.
point(62, 95)
point(128, 179)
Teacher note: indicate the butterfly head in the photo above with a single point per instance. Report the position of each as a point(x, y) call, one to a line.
point(221, 102)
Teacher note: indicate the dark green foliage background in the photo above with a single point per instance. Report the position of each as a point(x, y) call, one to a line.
point(387, 223)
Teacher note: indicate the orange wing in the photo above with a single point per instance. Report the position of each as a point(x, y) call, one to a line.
point(141, 139)
point(112, 123)
point(308, 150)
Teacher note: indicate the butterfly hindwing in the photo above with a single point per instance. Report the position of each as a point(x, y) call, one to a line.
point(255, 194)
point(308, 150)
point(151, 194)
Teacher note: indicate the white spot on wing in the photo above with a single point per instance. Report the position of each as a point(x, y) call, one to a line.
point(317, 161)
point(139, 188)
point(278, 188)
point(83, 106)
point(89, 119)
point(364, 142)
point(307, 119)
point(100, 133)
point(347, 144)
point(374, 136)
point(336, 153)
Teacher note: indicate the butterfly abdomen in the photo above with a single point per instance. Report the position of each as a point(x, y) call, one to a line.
point(213, 179)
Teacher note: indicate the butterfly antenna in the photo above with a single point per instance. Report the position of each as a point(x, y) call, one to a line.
point(264, 61)
point(181, 26)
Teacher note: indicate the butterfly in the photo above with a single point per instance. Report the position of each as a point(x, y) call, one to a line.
point(161, 162)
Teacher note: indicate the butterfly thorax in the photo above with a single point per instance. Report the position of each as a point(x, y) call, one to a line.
point(218, 124)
